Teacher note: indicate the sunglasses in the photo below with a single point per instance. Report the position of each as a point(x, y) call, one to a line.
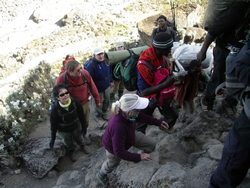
point(78, 70)
point(66, 93)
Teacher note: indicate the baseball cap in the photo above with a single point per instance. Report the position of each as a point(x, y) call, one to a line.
point(98, 50)
point(119, 44)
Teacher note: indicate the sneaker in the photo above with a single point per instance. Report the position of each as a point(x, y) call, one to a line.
point(205, 105)
point(86, 140)
point(72, 156)
point(85, 149)
point(231, 110)
point(102, 179)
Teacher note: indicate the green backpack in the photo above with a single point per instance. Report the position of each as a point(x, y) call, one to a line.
point(126, 71)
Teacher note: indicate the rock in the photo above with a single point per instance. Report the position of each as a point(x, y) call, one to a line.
point(215, 151)
point(185, 17)
point(38, 157)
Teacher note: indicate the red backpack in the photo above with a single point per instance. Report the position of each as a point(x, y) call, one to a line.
point(67, 59)
point(166, 95)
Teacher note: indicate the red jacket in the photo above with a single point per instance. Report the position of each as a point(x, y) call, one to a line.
point(78, 89)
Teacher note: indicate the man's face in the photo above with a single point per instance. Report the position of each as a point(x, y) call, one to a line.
point(76, 72)
point(100, 57)
point(161, 52)
point(161, 22)
point(195, 72)
point(119, 48)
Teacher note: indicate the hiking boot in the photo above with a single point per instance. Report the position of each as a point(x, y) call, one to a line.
point(105, 116)
point(206, 105)
point(112, 97)
point(85, 149)
point(102, 179)
point(72, 156)
point(86, 140)
point(63, 150)
point(120, 93)
point(231, 110)
point(100, 122)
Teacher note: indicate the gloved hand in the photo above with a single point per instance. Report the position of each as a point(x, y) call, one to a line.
point(51, 144)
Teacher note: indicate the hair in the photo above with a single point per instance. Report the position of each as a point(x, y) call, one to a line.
point(67, 56)
point(126, 101)
point(71, 65)
point(57, 88)
point(194, 63)
point(161, 17)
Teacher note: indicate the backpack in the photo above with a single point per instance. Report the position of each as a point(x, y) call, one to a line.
point(67, 59)
point(166, 95)
point(214, 10)
point(87, 63)
point(234, 87)
point(128, 71)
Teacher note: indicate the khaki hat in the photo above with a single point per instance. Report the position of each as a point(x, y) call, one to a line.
point(119, 44)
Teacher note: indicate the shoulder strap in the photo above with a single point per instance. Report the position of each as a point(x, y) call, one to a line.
point(92, 64)
point(157, 31)
point(147, 64)
point(85, 81)
point(73, 102)
point(65, 79)
point(84, 78)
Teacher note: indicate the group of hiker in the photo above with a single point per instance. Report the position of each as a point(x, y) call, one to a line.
point(158, 88)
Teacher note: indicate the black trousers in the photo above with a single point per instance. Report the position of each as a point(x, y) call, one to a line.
point(169, 114)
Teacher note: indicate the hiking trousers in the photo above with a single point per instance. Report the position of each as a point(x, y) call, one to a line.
point(234, 163)
point(142, 142)
point(169, 114)
point(69, 138)
point(105, 102)
point(218, 75)
point(86, 111)
point(118, 85)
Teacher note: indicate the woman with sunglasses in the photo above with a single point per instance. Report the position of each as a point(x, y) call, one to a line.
point(120, 134)
point(68, 120)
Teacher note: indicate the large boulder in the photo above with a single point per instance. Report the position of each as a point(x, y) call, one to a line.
point(185, 16)
point(38, 157)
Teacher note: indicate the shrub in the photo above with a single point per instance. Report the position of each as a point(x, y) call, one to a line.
point(24, 110)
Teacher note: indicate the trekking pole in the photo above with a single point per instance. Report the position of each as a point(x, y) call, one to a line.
point(172, 4)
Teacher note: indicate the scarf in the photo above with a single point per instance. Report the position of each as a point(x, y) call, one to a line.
point(65, 106)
